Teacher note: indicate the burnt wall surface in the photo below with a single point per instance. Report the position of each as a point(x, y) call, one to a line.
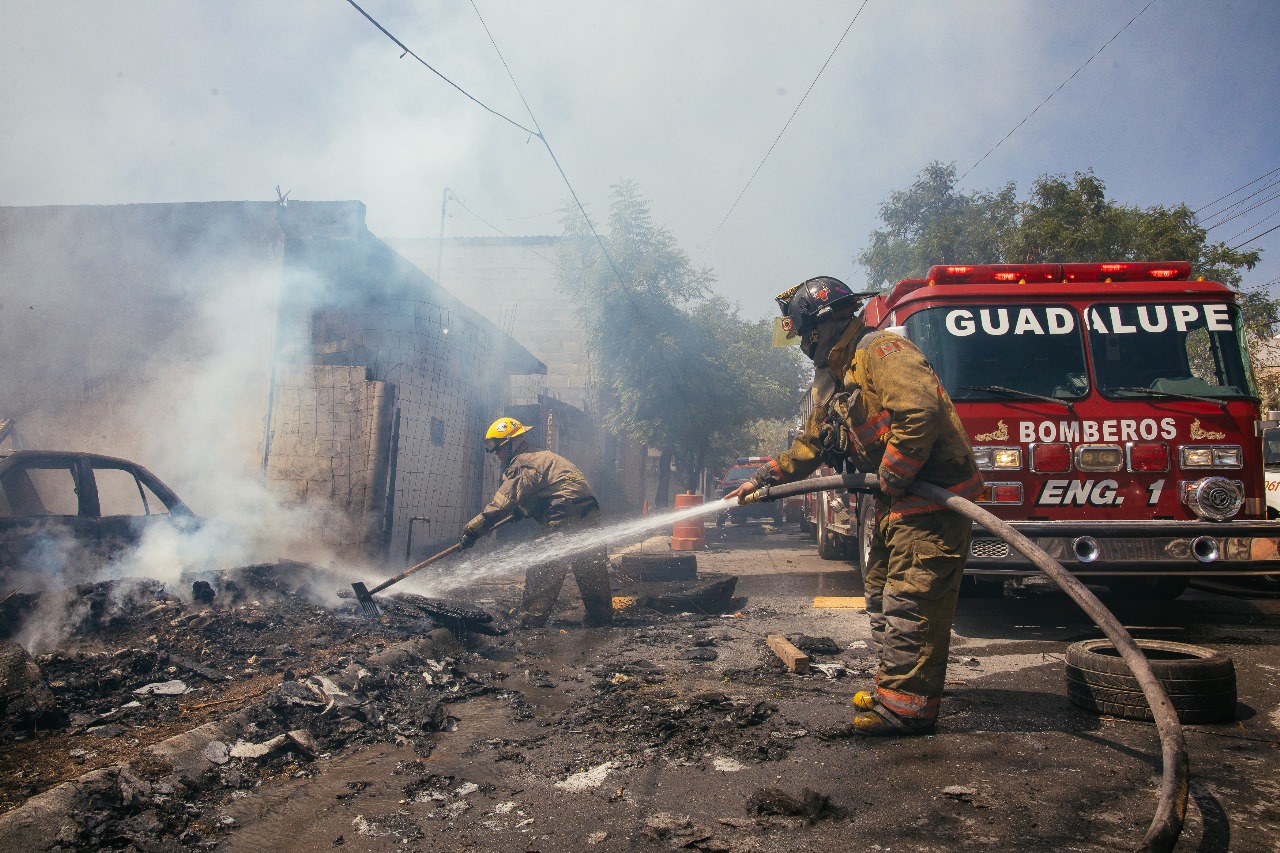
point(514, 282)
point(449, 367)
point(166, 333)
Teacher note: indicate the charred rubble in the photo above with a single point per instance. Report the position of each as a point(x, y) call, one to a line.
point(156, 706)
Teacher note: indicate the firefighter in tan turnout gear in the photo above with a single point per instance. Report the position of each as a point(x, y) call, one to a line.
point(879, 408)
point(550, 489)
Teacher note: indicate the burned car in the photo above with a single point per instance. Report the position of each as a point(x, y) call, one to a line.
point(64, 510)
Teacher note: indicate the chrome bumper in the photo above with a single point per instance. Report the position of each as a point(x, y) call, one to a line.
point(1202, 548)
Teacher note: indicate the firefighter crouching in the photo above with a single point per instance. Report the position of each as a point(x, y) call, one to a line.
point(879, 408)
point(550, 489)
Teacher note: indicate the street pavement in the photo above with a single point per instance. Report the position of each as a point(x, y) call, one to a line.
point(684, 732)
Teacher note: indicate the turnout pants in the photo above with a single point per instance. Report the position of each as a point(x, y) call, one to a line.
point(912, 582)
point(591, 571)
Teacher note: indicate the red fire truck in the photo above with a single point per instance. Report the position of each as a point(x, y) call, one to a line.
point(1112, 411)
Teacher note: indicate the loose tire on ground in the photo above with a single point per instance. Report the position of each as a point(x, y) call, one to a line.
point(652, 567)
point(1201, 682)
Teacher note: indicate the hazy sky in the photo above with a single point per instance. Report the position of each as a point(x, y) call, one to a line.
point(108, 102)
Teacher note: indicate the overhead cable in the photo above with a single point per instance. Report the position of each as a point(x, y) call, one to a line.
point(1255, 237)
point(1236, 190)
point(408, 52)
point(1270, 216)
point(1241, 201)
point(733, 206)
point(1054, 92)
point(554, 158)
point(463, 205)
point(1240, 213)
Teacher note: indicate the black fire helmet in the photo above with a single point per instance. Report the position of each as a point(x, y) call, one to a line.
point(814, 301)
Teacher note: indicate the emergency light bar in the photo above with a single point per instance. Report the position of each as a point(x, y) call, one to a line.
point(1048, 273)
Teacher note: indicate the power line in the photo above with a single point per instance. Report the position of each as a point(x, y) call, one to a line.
point(1234, 191)
point(463, 205)
point(1261, 221)
point(1251, 239)
point(1240, 213)
point(1054, 92)
point(408, 52)
point(554, 159)
point(536, 133)
point(734, 206)
point(1239, 202)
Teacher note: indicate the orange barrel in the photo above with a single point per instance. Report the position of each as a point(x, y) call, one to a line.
point(687, 535)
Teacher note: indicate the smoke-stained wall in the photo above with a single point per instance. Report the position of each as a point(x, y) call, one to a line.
point(514, 281)
point(166, 333)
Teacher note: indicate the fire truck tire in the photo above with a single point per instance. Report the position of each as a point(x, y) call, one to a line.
point(655, 567)
point(1201, 682)
point(866, 529)
point(827, 549)
point(1147, 588)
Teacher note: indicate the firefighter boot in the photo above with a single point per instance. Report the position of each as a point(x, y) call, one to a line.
point(881, 722)
point(863, 701)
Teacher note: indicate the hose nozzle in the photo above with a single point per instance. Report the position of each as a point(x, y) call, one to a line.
point(760, 495)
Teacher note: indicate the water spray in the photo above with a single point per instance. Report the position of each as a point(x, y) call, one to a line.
point(1171, 809)
point(557, 546)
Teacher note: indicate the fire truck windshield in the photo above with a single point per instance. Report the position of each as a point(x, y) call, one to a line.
point(988, 352)
point(1192, 350)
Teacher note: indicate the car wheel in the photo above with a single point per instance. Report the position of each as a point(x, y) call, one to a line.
point(1147, 588)
point(1201, 682)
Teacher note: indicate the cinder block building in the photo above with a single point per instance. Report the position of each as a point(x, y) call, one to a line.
point(283, 340)
point(514, 282)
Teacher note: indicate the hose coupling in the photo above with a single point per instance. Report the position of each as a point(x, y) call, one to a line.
point(760, 495)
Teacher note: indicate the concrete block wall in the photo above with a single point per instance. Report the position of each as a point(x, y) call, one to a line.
point(449, 385)
point(325, 434)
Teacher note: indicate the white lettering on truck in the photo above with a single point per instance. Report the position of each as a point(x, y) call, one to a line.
point(1080, 493)
point(1072, 432)
point(1057, 321)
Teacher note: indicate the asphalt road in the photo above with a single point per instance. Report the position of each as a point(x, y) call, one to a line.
point(682, 732)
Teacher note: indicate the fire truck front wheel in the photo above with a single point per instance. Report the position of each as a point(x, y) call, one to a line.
point(1147, 588)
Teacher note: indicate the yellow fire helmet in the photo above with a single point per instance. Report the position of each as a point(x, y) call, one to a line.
point(502, 431)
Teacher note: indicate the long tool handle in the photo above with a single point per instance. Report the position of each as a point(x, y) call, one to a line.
point(420, 566)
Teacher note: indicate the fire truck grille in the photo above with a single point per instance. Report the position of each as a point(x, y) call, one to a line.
point(989, 548)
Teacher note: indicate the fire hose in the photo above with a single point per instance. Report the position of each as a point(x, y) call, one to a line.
point(1171, 809)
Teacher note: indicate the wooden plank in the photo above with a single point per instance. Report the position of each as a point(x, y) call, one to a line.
point(839, 601)
point(796, 660)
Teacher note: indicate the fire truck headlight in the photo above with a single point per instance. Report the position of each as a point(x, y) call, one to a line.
point(1099, 457)
point(1214, 498)
point(993, 458)
point(1211, 456)
point(1228, 456)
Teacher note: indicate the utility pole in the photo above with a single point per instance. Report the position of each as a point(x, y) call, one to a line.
point(444, 202)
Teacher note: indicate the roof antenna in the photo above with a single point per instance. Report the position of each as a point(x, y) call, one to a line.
point(282, 199)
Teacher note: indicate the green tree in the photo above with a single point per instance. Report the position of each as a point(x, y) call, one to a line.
point(678, 368)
